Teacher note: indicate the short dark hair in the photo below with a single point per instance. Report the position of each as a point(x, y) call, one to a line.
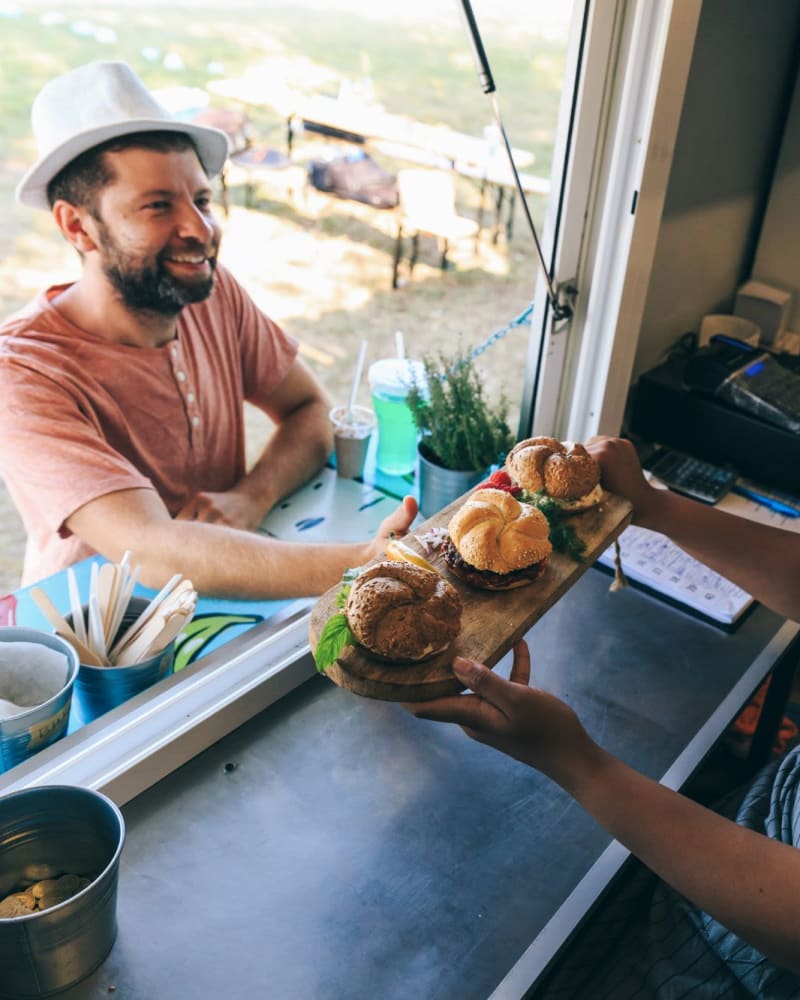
point(82, 179)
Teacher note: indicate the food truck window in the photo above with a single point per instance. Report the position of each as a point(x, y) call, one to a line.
point(321, 264)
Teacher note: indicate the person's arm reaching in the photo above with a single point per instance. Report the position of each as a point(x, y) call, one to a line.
point(296, 450)
point(219, 560)
point(763, 560)
point(748, 882)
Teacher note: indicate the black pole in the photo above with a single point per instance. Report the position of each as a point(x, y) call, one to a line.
point(560, 310)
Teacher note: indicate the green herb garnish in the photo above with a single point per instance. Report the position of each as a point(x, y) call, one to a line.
point(336, 634)
point(347, 579)
point(563, 537)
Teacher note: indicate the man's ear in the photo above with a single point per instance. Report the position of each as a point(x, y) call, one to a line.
point(76, 225)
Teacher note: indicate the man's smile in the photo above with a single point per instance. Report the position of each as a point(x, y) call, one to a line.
point(189, 264)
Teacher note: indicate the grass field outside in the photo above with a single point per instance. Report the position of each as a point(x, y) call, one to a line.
point(322, 268)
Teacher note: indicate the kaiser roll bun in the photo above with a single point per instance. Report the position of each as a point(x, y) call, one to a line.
point(402, 612)
point(493, 531)
point(564, 472)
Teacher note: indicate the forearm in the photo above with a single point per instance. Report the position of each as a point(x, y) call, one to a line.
point(221, 560)
point(297, 449)
point(749, 883)
point(745, 880)
point(762, 560)
point(228, 562)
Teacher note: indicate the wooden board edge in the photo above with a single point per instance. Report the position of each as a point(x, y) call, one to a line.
point(384, 690)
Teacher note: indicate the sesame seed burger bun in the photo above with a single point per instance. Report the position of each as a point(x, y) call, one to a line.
point(403, 613)
point(497, 543)
point(566, 473)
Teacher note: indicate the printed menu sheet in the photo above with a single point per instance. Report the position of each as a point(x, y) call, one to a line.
point(661, 567)
point(652, 560)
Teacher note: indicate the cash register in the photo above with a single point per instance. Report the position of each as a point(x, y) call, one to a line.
point(729, 403)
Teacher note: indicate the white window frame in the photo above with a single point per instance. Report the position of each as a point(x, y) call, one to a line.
point(632, 88)
point(589, 66)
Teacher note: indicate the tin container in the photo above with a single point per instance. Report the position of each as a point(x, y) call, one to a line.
point(47, 832)
point(439, 486)
point(99, 689)
point(37, 727)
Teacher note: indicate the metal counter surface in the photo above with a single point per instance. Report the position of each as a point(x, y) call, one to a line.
point(335, 847)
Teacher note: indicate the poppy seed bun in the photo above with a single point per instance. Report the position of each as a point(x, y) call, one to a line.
point(567, 473)
point(402, 612)
point(493, 531)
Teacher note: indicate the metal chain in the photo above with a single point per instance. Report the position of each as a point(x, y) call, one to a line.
point(493, 338)
point(502, 332)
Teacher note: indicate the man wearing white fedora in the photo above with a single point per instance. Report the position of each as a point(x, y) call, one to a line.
point(121, 395)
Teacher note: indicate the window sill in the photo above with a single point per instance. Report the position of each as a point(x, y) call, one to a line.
point(131, 748)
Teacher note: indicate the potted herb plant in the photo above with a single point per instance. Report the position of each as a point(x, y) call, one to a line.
point(461, 434)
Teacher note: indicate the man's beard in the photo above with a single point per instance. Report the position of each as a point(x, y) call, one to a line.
point(151, 287)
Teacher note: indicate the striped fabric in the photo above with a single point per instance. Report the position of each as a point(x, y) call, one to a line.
point(649, 942)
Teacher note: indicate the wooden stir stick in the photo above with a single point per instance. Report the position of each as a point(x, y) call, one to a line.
point(62, 628)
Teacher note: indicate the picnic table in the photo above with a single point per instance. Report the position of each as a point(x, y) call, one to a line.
point(369, 125)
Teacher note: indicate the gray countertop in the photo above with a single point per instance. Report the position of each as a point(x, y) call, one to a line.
point(335, 847)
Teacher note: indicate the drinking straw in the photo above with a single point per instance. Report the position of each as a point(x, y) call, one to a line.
point(398, 343)
point(357, 377)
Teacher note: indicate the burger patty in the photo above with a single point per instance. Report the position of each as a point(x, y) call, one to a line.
point(469, 574)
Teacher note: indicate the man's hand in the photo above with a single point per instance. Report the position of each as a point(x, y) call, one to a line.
point(528, 724)
point(230, 508)
point(394, 526)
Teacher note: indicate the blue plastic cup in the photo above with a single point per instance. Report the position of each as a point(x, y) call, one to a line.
point(390, 381)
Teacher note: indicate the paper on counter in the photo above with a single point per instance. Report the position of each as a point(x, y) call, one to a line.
point(30, 674)
point(654, 560)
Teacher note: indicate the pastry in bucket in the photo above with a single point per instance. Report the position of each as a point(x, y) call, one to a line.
point(60, 848)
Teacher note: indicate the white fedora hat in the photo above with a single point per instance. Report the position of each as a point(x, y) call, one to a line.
point(92, 104)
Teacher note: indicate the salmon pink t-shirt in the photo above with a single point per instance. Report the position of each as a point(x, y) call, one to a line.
point(82, 417)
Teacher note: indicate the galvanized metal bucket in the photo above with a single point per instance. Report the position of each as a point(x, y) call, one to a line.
point(439, 486)
point(39, 726)
point(99, 689)
point(47, 832)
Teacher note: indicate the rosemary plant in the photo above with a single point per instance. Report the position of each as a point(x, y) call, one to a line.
point(459, 429)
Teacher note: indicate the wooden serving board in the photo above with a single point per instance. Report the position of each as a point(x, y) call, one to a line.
point(491, 621)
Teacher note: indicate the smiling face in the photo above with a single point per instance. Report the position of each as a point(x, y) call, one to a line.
point(156, 237)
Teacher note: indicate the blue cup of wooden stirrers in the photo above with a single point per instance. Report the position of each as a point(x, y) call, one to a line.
point(99, 689)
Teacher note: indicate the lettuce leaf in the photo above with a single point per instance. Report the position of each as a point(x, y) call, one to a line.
point(563, 536)
point(335, 636)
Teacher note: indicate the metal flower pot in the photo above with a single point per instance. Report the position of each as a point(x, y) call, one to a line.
point(439, 486)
